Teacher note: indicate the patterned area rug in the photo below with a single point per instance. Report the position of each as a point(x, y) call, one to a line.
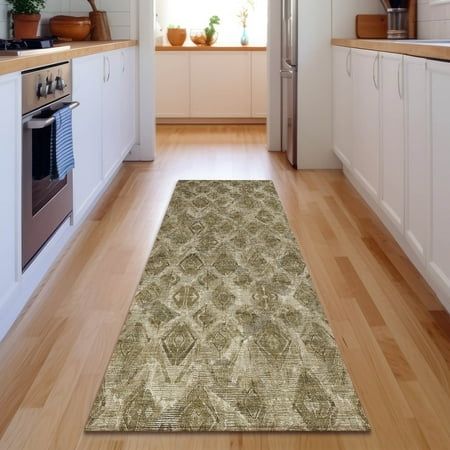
point(226, 332)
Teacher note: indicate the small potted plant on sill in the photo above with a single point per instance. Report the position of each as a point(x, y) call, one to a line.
point(26, 17)
point(176, 35)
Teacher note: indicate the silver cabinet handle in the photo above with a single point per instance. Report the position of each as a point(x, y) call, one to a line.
point(348, 63)
point(39, 124)
point(374, 75)
point(109, 68)
point(400, 79)
point(286, 73)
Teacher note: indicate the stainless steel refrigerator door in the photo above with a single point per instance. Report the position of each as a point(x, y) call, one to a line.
point(290, 77)
point(290, 32)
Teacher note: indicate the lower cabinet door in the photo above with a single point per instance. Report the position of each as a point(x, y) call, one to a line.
point(342, 105)
point(112, 110)
point(439, 123)
point(87, 130)
point(417, 157)
point(392, 161)
point(10, 174)
point(221, 84)
point(366, 119)
point(172, 84)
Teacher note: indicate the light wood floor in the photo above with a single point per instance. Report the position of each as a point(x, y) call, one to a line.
point(392, 332)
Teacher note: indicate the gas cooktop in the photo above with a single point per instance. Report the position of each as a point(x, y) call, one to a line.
point(29, 47)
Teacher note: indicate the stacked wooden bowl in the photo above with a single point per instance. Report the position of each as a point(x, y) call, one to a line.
point(68, 28)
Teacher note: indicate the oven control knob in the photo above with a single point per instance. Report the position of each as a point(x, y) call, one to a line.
point(42, 90)
point(51, 84)
point(60, 84)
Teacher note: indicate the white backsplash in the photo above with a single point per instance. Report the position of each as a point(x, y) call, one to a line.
point(433, 19)
point(119, 14)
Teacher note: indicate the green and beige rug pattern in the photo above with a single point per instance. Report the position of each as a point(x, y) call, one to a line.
point(226, 332)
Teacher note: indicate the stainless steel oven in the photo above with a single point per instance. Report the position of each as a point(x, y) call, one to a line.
point(46, 203)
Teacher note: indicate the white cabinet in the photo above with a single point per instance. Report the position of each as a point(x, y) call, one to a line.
point(112, 110)
point(220, 84)
point(172, 84)
point(399, 147)
point(211, 84)
point(342, 104)
point(392, 161)
point(10, 170)
point(259, 84)
point(439, 123)
point(128, 107)
point(87, 130)
point(366, 119)
point(105, 122)
point(417, 157)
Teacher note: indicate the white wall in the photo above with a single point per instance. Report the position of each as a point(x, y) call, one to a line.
point(433, 20)
point(196, 13)
point(120, 14)
point(344, 15)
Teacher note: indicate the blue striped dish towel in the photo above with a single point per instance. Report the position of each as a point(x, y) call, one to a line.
point(62, 160)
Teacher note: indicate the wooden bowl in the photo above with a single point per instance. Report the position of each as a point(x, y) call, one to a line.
point(70, 28)
point(176, 36)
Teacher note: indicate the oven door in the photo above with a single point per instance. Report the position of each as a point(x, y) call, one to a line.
point(46, 203)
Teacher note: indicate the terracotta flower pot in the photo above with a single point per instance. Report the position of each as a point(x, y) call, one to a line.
point(26, 25)
point(177, 36)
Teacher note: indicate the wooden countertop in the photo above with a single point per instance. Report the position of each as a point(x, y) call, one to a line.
point(421, 50)
point(213, 48)
point(10, 64)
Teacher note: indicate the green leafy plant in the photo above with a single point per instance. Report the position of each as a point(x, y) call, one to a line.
point(245, 12)
point(26, 6)
point(210, 30)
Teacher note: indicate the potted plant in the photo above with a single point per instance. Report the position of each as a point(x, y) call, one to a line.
point(208, 35)
point(176, 35)
point(26, 17)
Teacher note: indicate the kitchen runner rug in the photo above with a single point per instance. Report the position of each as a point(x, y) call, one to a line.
point(226, 332)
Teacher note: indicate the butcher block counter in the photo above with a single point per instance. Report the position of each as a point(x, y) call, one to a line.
point(421, 49)
point(11, 64)
point(211, 48)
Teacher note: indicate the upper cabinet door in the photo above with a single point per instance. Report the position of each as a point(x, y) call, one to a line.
point(221, 84)
point(439, 123)
point(342, 104)
point(417, 157)
point(392, 159)
point(366, 119)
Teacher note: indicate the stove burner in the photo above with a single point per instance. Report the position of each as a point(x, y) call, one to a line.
point(25, 44)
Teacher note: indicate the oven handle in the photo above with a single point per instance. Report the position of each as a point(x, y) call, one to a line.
point(38, 124)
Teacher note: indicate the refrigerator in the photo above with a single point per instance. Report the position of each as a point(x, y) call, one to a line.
point(289, 79)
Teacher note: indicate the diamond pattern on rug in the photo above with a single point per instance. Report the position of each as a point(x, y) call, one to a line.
point(226, 332)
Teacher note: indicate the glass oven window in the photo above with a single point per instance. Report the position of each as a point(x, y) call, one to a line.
point(44, 189)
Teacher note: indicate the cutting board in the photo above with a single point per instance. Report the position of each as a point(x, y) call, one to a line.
point(371, 26)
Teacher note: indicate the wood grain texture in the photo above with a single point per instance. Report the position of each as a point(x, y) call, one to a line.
point(432, 51)
point(213, 48)
point(392, 331)
point(11, 64)
point(371, 26)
